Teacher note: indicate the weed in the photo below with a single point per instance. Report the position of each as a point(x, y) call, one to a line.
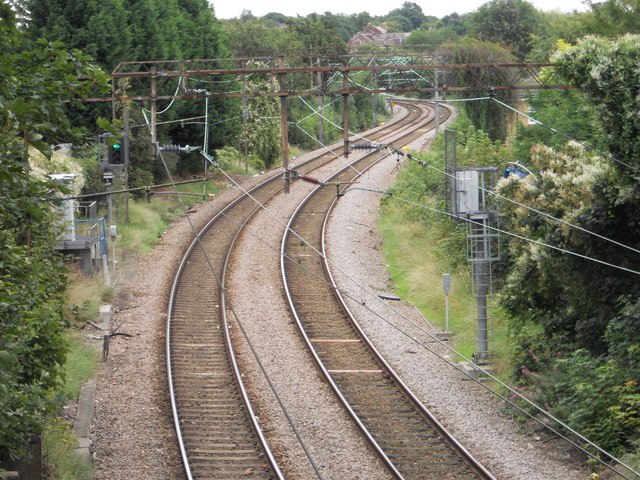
point(59, 449)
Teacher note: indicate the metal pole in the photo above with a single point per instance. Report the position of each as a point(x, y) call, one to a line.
point(109, 206)
point(110, 224)
point(126, 163)
point(446, 286)
point(154, 114)
point(284, 126)
point(320, 110)
point(481, 270)
point(437, 98)
point(345, 114)
point(244, 123)
point(374, 100)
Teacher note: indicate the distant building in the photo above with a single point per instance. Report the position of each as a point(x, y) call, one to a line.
point(373, 34)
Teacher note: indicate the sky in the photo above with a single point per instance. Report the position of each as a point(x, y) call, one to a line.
point(231, 9)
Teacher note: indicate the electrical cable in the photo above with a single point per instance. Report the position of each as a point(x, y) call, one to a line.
point(460, 217)
point(172, 100)
point(425, 346)
point(515, 202)
point(585, 145)
point(504, 232)
point(240, 324)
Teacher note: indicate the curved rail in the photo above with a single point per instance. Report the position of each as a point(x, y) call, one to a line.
point(407, 437)
point(218, 432)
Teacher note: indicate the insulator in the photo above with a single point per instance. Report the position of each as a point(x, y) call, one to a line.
point(366, 146)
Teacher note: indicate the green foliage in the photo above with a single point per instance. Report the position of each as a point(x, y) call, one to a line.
point(487, 116)
point(544, 286)
point(232, 160)
point(612, 18)
point(59, 448)
point(317, 34)
point(408, 228)
point(32, 276)
point(556, 27)
point(510, 23)
point(163, 30)
point(567, 307)
point(606, 71)
point(260, 135)
point(249, 36)
point(106, 29)
point(564, 111)
point(80, 364)
point(596, 397)
point(410, 16)
point(426, 186)
point(429, 40)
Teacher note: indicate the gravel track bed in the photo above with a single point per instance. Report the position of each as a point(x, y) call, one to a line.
point(335, 447)
point(468, 410)
point(133, 433)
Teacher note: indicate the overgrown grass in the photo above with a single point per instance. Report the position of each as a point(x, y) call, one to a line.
point(82, 359)
point(149, 219)
point(418, 251)
point(85, 295)
point(58, 442)
point(417, 274)
point(58, 445)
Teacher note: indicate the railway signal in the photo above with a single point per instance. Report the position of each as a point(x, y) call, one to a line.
point(116, 152)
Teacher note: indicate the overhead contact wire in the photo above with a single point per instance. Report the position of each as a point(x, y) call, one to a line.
point(437, 340)
point(239, 322)
point(459, 217)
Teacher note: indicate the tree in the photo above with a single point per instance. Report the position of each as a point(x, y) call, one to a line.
point(606, 71)
point(507, 22)
point(487, 116)
point(98, 28)
point(431, 39)
point(576, 321)
point(317, 34)
point(114, 31)
point(35, 82)
point(251, 37)
point(612, 18)
point(558, 27)
point(410, 16)
point(457, 22)
point(566, 111)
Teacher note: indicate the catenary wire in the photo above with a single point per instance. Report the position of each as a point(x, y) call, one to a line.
point(240, 324)
point(437, 340)
point(505, 232)
point(459, 217)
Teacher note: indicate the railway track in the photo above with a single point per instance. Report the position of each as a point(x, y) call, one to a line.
point(408, 438)
point(219, 436)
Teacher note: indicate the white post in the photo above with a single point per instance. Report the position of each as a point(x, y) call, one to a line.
point(446, 286)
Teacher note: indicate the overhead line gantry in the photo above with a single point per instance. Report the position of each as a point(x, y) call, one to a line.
point(313, 75)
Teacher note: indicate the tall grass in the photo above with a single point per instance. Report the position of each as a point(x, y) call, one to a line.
point(58, 447)
point(419, 246)
point(148, 219)
point(85, 295)
point(82, 359)
point(416, 269)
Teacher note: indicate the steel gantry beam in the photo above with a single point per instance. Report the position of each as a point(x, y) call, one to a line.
point(321, 76)
point(312, 75)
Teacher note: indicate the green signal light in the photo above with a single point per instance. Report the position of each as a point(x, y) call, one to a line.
point(116, 146)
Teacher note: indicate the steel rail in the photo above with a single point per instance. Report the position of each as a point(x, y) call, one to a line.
point(332, 378)
point(196, 246)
